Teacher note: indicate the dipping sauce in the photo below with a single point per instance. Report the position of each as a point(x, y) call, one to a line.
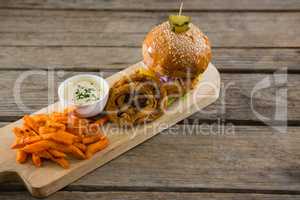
point(83, 91)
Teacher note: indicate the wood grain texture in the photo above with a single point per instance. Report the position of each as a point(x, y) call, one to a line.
point(96, 58)
point(87, 35)
point(200, 158)
point(147, 196)
point(120, 139)
point(248, 157)
point(233, 104)
point(103, 28)
point(155, 4)
point(3, 124)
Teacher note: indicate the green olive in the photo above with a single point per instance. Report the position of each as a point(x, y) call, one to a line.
point(179, 23)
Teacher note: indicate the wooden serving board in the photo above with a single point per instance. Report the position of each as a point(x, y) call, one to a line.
point(49, 178)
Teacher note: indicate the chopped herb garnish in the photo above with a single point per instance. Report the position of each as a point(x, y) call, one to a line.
point(85, 92)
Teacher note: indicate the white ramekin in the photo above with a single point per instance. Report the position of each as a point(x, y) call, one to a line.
point(87, 110)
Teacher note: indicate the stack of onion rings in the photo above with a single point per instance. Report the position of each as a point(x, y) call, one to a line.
point(136, 99)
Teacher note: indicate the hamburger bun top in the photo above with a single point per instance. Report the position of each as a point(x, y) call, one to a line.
point(179, 55)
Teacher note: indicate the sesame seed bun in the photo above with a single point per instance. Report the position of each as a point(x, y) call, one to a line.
point(178, 55)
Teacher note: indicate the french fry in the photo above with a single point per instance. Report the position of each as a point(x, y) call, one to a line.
point(58, 146)
point(23, 137)
point(69, 149)
point(75, 121)
point(57, 154)
point(79, 131)
point(28, 131)
point(24, 131)
point(95, 147)
point(45, 154)
point(23, 141)
point(91, 139)
point(38, 146)
point(55, 125)
point(54, 136)
point(102, 120)
point(76, 152)
point(18, 132)
point(62, 162)
point(59, 117)
point(69, 110)
point(21, 156)
point(32, 139)
point(62, 119)
point(80, 146)
point(40, 119)
point(31, 123)
point(94, 129)
point(62, 137)
point(36, 159)
point(45, 130)
point(16, 143)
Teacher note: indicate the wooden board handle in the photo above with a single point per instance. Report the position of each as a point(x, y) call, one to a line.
point(8, 169)
point(8, 176)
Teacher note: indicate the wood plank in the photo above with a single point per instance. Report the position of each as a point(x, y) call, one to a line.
point(248, 157)
point(233, 104)
point(155, 4)
point(186, 158)
point(95, 58)
point(147, 196)
point(102, 28)
point(3, 124)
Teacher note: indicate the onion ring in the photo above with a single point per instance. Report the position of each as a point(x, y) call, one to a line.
point(136, 99)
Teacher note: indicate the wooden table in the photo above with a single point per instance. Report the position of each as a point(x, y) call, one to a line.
point(251, 40)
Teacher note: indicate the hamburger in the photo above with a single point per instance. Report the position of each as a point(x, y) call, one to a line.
point(177, 51)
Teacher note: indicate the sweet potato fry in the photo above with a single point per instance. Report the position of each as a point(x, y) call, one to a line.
point(94, 129)
point(69, 149)
point(62, 137)
point(76, 152)
point(28, 131)
point(62, 162)
point(37, 146)
point(32, 139)
point(36, 159)
point(79, 131)
point(60, 118)
point(78, 122)
point(102, 121)
point(16, 143)
point(24, 131)
point(45, 154)
point(95, 147)
point(69, 110)
point(58, 146)
point(40, 118)
point(55, 125)
point(80, 146)
point(21, 156)
point(56, 136)
point(28, 121)
point(45, 130)
point(91, 139)
point(57, 154)
point(18, 132)
point(23, 141)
